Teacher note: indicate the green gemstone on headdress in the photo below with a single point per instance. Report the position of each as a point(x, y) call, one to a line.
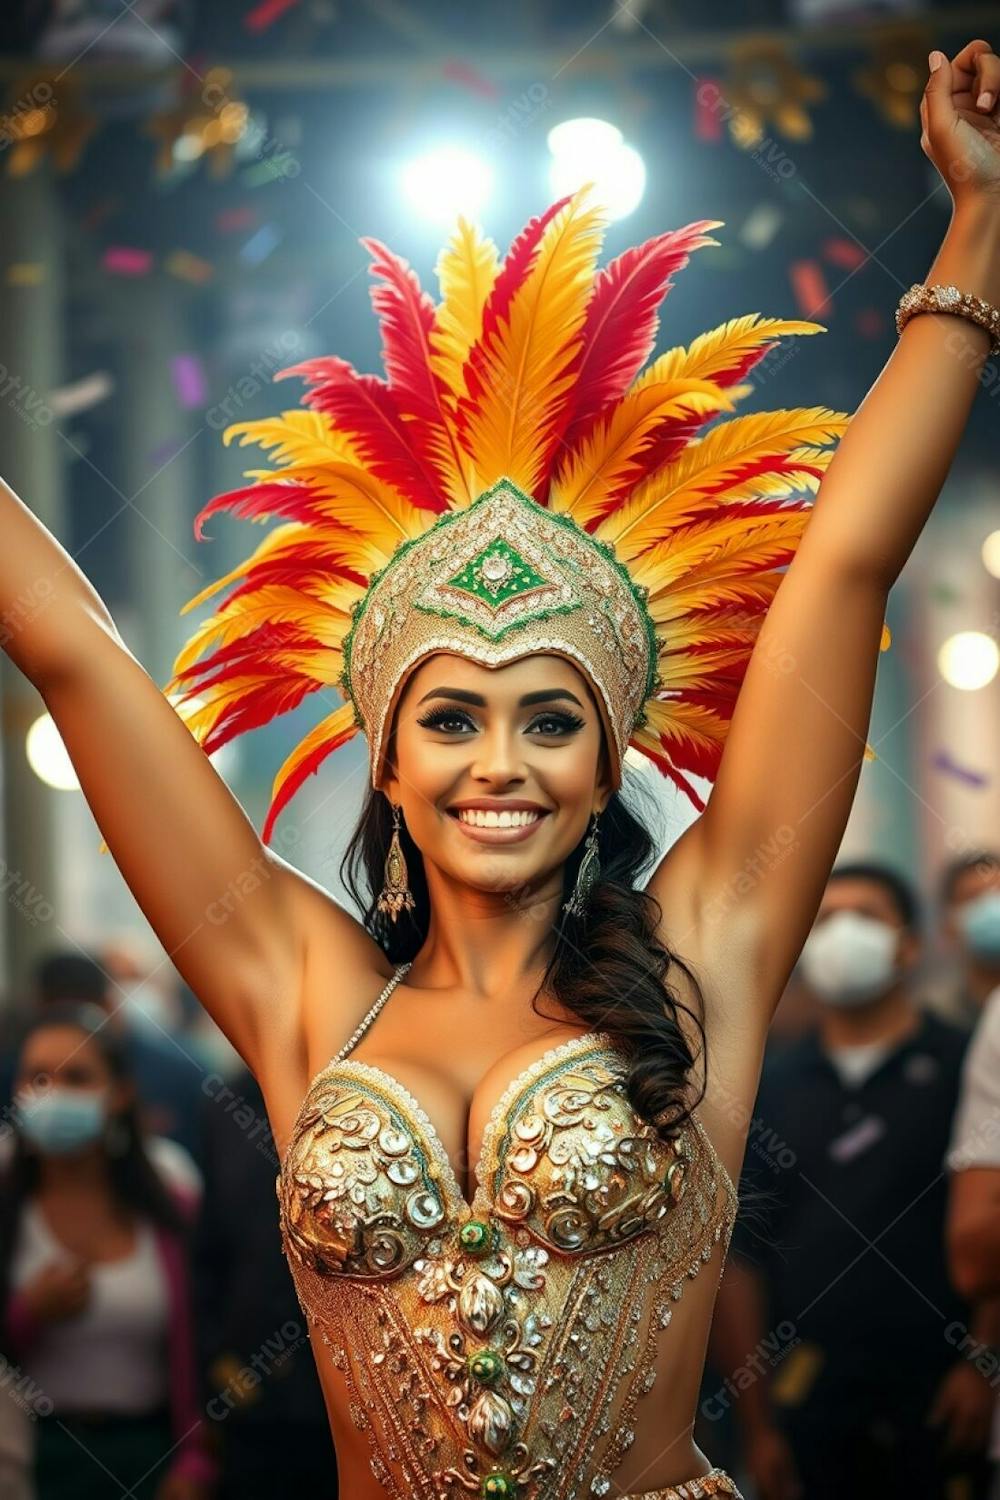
point(498, 1486)
point(497, 574)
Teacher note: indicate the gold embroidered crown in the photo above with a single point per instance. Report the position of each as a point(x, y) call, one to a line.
point(516, 483)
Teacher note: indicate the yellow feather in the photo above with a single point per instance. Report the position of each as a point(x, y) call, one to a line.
point(205, 707)
point(715, 550)
point(722, 347)
point(355, 552)
point(366, 504)
point(724, 626)
point(296, 434)
point(699, 673)
point(671, 610)
point(327, 729)
point(466, 270)
point(527, 364)
point(662, 501)
point(692, 723)
point(603, 462)
point(323, 620)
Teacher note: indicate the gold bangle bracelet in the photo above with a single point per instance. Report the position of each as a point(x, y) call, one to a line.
point(934, 297)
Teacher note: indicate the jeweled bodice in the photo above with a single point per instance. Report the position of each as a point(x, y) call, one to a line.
point(491, 1347)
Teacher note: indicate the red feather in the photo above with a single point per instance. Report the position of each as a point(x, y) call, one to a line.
point(406, 318)
point(666, 765)
point(517, 263)
point(282, 635)
point(311, 574)
point(366, 409)
point(663, 451)
point(255, 707)
point(308, 767)
point(253, 501)
point(622, 319)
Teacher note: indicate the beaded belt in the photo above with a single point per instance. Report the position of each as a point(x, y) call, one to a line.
point(715, 1482)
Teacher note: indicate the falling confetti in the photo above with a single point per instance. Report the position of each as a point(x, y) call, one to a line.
point(25, 273)
point(188, 267)
point(761, 225)
point(809, 287)
point(260, 245)
point(231, 219)
point(126, 260)
point(469, 77)
point(189, 380)
point(707, 109)
point(81, 395)
point(843, 252)
point(264, 15)
point(942, 761)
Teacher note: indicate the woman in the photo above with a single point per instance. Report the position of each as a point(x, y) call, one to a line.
point(515, 562)
point(94, 1275)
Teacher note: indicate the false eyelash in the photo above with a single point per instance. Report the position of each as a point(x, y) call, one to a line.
point(437, 716)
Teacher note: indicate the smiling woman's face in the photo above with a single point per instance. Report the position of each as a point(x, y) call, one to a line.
point(528, 732)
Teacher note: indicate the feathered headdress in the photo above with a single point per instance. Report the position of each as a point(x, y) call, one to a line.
point(516, 483)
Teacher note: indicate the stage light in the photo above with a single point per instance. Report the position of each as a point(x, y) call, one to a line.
point(968, 660)
point(592, 150)
point(48, 757)
point(991, 554)
point(445, 182)
point(50, 761)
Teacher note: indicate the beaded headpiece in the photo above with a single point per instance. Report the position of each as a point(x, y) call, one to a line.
point(514, 485)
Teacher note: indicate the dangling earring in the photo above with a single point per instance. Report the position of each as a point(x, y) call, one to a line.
point(586, 875)
point(396, 894)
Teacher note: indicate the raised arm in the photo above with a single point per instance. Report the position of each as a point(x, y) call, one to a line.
point(790, 767)
point(231, 915)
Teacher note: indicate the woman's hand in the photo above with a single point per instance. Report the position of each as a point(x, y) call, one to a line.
point(960, 135)
point(963, 1409)
point(59, 1290)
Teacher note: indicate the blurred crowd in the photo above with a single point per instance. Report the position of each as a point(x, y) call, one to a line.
point(152, 1344)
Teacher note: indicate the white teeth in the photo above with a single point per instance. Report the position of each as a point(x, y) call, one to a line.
point(482, 819)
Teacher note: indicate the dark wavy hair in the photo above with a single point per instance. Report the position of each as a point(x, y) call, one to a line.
point(135, 1182)
point(608, 965)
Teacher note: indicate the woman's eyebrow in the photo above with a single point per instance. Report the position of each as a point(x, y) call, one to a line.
point(543, 695)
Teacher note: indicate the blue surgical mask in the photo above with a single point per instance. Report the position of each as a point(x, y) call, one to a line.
point(979, 923)
point(61, 1120)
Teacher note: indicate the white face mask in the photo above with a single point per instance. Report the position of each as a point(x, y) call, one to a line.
point(850, 959)
point(978, 921)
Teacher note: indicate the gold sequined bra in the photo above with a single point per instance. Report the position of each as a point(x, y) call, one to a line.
point(496, 1348)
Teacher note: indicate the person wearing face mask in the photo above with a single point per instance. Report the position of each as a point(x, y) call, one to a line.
point(838, 1294)
point(973, 1164)
point(969, 925)
point(95, 1321)
point(168, 1073)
